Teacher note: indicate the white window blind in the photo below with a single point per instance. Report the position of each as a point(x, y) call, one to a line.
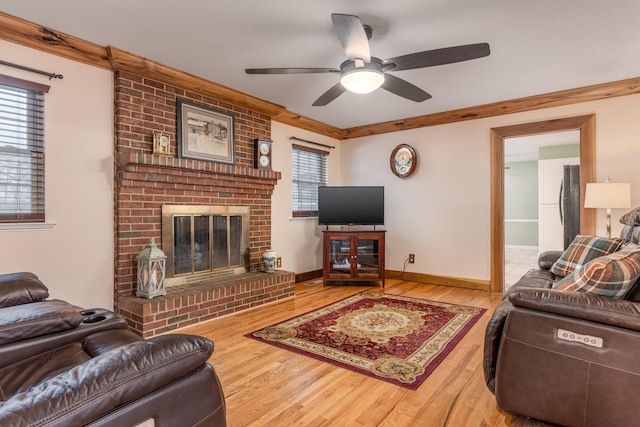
point(21, 150)
point(309, 172)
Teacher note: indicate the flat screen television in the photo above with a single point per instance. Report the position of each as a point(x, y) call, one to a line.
point(351, 205)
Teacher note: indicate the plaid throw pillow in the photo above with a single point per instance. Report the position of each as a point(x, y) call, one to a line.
point(582, 250)
point(610, 276)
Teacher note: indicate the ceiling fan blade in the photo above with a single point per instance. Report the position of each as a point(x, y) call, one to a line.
point(404, 89)
point(352, 36)
point(290, 70)
point(430, 58)
point(334, 92)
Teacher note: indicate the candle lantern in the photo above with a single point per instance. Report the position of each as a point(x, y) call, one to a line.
point(151, 271)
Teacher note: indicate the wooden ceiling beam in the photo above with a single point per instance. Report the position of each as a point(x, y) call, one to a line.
point(50, 41)
point(122, 60)
point(553, 99)
point(302, 122)
point(35, 36)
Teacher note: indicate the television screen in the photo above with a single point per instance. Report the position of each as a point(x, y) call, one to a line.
point(350, 205)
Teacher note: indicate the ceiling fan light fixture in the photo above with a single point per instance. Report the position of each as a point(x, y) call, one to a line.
point(362, 80)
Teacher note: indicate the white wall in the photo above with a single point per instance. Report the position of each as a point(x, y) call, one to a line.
point(441, 213)
point(75, 258)
point(297, 240)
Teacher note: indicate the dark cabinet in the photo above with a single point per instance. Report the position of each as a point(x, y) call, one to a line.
point(353, 256)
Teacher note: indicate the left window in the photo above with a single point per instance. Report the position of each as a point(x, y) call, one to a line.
point(21, 150)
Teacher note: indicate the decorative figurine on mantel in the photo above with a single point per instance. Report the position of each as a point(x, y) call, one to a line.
point(151, 271)
point(269, 261)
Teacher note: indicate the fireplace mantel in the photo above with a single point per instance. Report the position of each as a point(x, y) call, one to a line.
point(145, 159)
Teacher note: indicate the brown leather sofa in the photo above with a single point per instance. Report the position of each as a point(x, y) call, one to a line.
point(61, 365)
point(565, 357)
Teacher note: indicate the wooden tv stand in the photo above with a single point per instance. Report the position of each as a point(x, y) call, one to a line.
point(350, 256)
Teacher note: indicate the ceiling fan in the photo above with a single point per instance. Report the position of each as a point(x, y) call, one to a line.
point(363, 73)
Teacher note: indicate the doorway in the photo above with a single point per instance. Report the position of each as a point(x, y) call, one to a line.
point(540, 211)
point(586, 126)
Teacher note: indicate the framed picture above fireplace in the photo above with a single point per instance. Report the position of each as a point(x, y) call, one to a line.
point(205, 133)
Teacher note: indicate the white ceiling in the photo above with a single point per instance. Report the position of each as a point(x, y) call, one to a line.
point(536, 46)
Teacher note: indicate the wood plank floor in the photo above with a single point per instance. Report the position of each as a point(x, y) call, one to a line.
point(268, 386)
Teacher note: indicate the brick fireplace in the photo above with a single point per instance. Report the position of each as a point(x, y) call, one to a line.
point(145, 182)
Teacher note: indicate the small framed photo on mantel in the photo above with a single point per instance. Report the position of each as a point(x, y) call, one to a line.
point(205, 133)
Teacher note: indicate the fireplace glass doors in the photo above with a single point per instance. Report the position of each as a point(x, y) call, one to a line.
point(204, 240)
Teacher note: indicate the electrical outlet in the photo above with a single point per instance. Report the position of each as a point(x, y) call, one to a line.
point(279, 262)
point(412, 258)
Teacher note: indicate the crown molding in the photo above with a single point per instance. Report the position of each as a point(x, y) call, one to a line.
point(552, 99)
point(112, 58)
point(122, 60)
point(302, 122)
point(47, 40)
point(35, 36)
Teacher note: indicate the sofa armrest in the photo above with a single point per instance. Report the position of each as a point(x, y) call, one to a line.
point(492, 339)
point(93, 321)
point(103, 383)
point(21, 322)
point(580, 305)
point(547, 258)
point(21, 288)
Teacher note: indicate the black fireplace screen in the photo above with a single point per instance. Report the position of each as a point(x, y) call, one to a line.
point(206, 242)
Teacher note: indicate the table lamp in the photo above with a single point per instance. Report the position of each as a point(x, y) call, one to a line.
point(609, 195)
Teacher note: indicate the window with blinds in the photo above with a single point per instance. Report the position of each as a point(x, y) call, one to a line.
point(309, 170)
point(21, 150)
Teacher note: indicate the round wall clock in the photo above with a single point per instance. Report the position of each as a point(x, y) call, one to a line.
point(403, 160)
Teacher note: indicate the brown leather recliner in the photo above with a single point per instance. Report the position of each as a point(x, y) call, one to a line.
point(565, 357)
point(61, 365)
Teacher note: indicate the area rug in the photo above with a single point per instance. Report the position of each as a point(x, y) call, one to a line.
point(396, 339)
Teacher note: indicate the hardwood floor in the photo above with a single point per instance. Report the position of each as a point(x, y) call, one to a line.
point(268, 386)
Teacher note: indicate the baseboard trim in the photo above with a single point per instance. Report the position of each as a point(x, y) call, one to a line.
point(309, 275)
point(456, 282)
point(432, 279)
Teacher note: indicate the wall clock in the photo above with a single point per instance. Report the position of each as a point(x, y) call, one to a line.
point(160, 143)
point(262, 153)
point(403, 160)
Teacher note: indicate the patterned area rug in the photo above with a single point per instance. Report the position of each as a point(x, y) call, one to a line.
point(393, 338)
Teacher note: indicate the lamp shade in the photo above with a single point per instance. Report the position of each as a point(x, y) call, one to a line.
point(608, 195)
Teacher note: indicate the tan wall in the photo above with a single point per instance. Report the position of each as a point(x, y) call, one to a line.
point(297, 240)
point(74, 258)
point(442, 212)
